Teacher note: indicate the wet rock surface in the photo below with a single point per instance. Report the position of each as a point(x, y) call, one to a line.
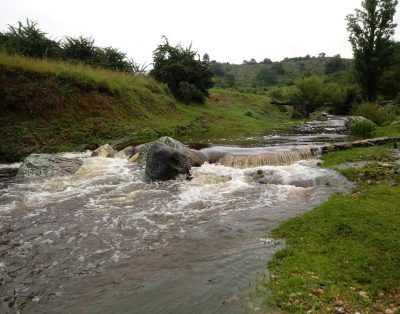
point(104, 151)
point(165, 163)
point(362, 143)
point(45, 165)
point(127, 152)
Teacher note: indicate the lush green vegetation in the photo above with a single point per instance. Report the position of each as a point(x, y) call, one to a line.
point(48, 104)
point(262, 76)
point(343, 256)
point(188, 78)
point(362, 129)
point(392, 130)
point(371, 29)
point(376, 113)
point(30, 41)
point(332, 160)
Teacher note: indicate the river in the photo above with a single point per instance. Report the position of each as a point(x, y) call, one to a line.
point(104, 240)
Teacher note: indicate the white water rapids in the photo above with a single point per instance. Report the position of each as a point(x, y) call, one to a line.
point(105, 240)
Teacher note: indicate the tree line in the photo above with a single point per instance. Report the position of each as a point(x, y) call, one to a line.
point(375, 72)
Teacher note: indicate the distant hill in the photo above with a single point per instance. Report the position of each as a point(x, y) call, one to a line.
point(261, 76)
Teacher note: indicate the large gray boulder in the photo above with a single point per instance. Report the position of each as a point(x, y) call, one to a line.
point(165, 163)
point(48, 165)
point(196, 158)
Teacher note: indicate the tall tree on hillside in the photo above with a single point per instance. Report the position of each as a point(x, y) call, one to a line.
point(371, 29)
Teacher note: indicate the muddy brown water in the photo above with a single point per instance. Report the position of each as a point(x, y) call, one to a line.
point(103, 240)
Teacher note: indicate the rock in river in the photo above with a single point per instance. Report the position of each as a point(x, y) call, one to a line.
point(164, 162)
point(104, 151)
point(46, 165)
point(196, 158)
point(126, 153)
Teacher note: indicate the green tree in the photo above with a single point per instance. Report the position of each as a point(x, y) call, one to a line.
point(267, 61)
point(181, 69)
point(278, 68)
point(312, 92)
point(389, 85)
point(334, 64)
point(371, 29)
point(266, 76)
point(206, 57)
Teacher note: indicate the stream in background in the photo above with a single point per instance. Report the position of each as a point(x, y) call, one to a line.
point(104, 240)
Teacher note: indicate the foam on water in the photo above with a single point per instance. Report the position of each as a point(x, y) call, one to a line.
point(106, 213)
point(15, 165)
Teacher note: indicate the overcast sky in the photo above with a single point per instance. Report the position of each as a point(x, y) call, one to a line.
point(228, 30)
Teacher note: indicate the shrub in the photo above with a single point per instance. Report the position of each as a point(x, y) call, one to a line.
point(79, 48)
point(28, 40)
point(188, 92)
point(188, 78)
point(362, 129)
point(374, 112)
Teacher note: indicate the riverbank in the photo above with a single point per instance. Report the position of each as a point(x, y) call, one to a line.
point(343, 256)
point(50, 106)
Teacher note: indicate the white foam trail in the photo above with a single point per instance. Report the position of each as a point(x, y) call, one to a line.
point(15, 165)
point(112, 196)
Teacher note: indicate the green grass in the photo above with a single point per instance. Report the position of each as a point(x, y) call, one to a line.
point(334, 159)
point(345, 252)
point(80, 72)
point(49, 104)
point(388, 130)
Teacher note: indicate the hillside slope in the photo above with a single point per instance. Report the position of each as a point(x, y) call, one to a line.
point(261, 76)
point(54, 106)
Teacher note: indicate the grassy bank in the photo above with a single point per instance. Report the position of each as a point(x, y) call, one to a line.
point(50, 106)
point(344, 255)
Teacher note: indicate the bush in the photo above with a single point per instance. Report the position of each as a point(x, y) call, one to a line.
point(28, 40)
point(374, 112)
point(79, 48)
point(187, 78)
point(362, 129)
point(188, 92)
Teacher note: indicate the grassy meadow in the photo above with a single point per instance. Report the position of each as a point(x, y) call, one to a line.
point(343, 256)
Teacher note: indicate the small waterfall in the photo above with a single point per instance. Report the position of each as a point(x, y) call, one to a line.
point(271, 157)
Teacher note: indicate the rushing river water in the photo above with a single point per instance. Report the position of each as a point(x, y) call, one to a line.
point(104, 240)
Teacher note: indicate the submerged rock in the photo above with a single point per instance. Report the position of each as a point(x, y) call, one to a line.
point(126, 153)
point(47, 165)
point(134, 158)
point(164, 162)
point(104, 151)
